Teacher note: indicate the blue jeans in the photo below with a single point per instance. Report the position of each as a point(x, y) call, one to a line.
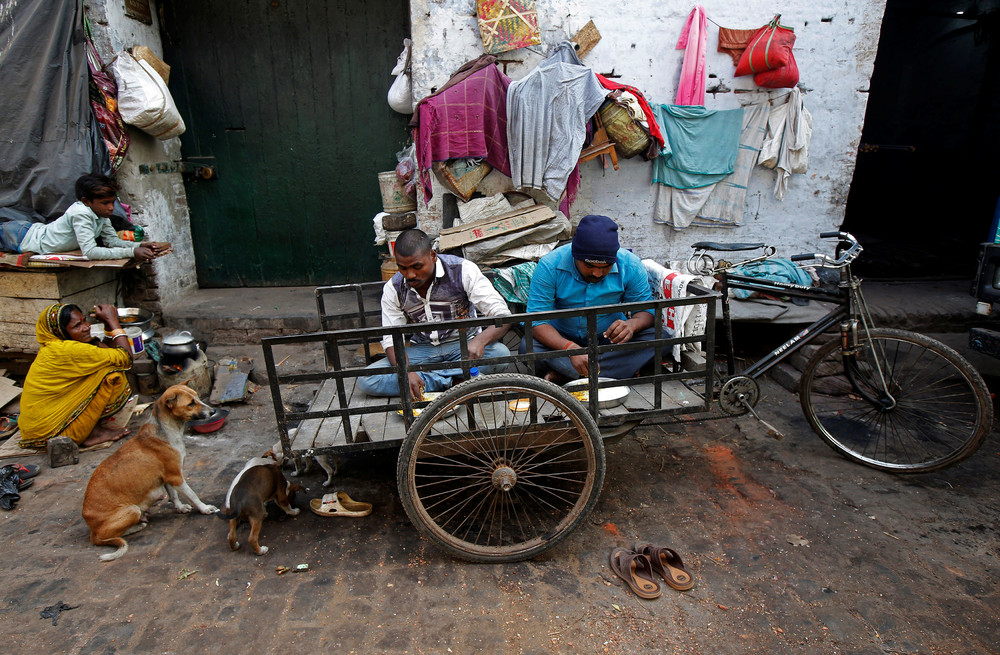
point(618, 364)
point(12, 234)
point(439, 380)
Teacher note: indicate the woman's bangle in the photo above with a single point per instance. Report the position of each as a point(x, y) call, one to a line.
point(569, 344)
point(116, 333)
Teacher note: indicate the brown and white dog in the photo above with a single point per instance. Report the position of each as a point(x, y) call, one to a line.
point(259, 482)
point(146, 469)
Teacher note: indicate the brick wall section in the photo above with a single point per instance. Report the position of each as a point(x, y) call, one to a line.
point(140, 289)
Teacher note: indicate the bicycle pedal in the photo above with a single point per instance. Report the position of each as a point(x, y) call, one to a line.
point(771, 431)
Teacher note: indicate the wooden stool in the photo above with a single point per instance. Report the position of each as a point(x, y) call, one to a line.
point(601, 145)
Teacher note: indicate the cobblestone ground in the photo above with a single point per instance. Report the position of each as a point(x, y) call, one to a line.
point(794, 550)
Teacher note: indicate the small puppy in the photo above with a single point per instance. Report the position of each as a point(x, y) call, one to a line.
point(146, 469)
point(303, 463)
point(259, 481)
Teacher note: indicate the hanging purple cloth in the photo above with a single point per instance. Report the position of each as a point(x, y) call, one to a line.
point(693, 41)
point(466, 118)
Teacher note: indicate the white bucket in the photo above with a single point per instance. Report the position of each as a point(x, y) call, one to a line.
point(134, 335)
point(394, 198)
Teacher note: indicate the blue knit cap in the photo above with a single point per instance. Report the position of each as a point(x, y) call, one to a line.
point(596, 240)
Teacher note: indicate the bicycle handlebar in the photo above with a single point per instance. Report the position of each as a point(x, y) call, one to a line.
point(848, 255)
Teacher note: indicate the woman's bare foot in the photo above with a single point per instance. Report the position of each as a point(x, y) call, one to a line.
point(103, 435)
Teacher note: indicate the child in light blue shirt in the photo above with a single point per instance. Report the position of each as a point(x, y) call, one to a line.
point(78, 228)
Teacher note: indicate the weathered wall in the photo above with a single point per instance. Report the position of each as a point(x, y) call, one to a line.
point(835, 50)
point(158, 201)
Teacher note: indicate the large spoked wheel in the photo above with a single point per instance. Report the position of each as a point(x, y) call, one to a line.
point(904, 403)
point(500, 468)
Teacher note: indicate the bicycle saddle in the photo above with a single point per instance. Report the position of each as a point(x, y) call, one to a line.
point(728, 247)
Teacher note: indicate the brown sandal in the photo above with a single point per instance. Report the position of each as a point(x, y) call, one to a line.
point(636, 571)
point(667, 563)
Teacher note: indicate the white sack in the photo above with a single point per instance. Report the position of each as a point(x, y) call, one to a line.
point(400, 94)
point(143, 98)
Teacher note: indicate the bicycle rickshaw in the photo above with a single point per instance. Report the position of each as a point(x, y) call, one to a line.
point(501, 467)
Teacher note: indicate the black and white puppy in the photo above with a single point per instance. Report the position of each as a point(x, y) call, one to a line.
point(260, 481)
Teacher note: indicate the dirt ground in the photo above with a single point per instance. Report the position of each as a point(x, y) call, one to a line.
point(793, 548)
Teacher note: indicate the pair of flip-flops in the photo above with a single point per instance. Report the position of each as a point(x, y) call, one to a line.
point(640, 566)
point(339, 504)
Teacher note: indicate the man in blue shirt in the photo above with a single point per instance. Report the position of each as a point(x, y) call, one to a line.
point(591, 271)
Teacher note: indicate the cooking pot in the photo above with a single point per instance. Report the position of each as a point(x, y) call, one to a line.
point(180, 344)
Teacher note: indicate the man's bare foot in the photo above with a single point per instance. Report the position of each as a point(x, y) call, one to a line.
point(556, 378)
point(102, 435)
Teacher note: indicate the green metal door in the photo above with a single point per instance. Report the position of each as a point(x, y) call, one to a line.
point(286, 100)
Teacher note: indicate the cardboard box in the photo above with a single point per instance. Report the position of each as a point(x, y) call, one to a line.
point(511, 221)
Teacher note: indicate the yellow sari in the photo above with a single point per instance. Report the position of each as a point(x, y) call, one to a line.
point(70, 385)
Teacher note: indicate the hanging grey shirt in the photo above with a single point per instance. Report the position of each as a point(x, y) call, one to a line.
point(547, 114)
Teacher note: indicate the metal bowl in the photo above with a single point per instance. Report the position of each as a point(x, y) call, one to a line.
point(136, 317)
point(609, 397)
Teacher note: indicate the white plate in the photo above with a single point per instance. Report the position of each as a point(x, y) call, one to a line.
point(610, 397)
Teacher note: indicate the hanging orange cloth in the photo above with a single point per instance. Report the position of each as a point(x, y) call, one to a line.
point(733, 42)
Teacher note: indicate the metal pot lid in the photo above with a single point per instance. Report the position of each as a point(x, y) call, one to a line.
point(178, 339)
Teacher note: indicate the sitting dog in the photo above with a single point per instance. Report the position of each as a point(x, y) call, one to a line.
point(303, 463)
point(145, 470)
point(259, 481)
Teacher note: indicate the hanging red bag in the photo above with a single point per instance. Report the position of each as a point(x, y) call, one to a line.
point(769, 48)
point(780, 78)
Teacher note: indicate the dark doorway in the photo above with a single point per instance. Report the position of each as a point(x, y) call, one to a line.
point(287, 102)
point(926, 183)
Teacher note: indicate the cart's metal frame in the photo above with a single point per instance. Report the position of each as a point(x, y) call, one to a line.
point(365, 330)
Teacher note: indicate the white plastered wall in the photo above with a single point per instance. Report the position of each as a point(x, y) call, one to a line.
point(835, 50)
point(158, 200)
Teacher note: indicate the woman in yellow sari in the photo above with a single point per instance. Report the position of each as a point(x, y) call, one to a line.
point(75, 381)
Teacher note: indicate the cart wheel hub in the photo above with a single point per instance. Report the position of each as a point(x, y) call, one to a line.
point(504, 478)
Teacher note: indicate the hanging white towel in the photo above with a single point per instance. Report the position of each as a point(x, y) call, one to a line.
point(786, 146)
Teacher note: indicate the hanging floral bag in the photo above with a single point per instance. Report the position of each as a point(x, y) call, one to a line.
point(104, 103)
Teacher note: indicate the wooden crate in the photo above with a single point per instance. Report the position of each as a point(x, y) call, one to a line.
point(24, 294)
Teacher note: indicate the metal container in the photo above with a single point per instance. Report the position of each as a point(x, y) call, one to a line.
point(630, 139)
point(137, 317)
point(180, 344)
point(610, 397)
point(394, 198)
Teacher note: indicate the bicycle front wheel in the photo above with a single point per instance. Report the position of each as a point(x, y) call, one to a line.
point(500, 468)
point(903, 402)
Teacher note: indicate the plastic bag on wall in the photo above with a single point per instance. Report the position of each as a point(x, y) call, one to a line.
point(401, 92)
point(144, 100)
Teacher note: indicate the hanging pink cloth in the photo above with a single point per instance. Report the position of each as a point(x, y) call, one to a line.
point(694, 38)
